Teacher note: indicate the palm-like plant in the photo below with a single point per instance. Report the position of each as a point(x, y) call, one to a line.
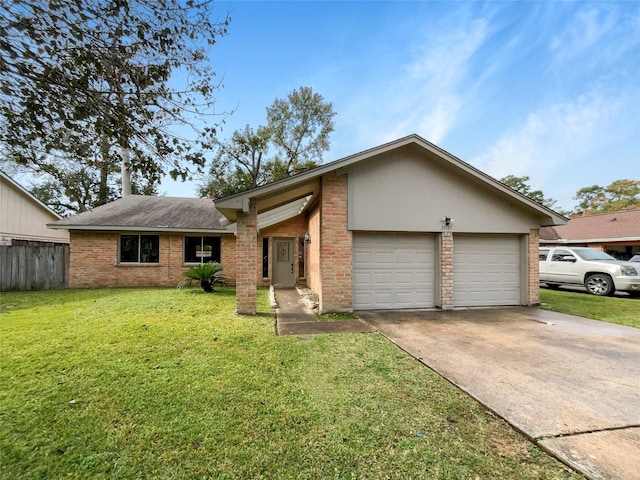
point(208, 274)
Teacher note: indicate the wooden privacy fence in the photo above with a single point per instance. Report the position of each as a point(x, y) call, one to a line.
point(34, 267)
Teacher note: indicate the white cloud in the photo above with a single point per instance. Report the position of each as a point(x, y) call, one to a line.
point(422, 95)
point(551, 141)
point(598, 35)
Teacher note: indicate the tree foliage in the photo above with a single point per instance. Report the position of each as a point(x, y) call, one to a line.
point(521, 185)
point(298, 129)
point(93, 86)
point(621, 194)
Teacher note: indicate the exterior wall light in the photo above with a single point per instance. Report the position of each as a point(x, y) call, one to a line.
point(307, 237)
point(447, 221)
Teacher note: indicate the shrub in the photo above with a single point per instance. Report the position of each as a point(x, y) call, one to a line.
point(208, 274)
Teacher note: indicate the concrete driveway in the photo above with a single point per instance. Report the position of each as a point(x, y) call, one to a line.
point(570, 384)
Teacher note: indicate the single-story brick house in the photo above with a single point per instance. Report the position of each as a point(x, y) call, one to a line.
point(616, 233)
point(402, 225)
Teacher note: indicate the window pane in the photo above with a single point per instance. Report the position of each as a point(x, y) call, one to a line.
point(129, 248)
point(149, 248)
point(211, 249)
point(201, 249)
point(265, 257)
point(192, 249)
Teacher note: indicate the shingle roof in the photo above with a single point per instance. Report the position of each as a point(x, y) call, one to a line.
point(608, 226)
point(146, 213)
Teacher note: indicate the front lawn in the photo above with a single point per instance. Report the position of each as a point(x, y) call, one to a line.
point(621, 310)
point(168, 384)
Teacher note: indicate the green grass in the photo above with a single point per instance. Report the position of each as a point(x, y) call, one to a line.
point(169, 384)
point(620, 310)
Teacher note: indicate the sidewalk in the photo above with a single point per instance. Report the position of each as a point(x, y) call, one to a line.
point(294, 318)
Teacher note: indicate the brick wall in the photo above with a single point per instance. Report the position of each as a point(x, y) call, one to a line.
point(293, 228)
point(93, 262)
point(336, 246)
point(446, 270)
point(246, 274)
point(313, 251)
point(533, 275)
point(228, 258)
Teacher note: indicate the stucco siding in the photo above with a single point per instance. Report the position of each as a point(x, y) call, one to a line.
point(409, 191)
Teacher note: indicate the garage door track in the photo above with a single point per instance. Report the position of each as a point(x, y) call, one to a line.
point(570, 384)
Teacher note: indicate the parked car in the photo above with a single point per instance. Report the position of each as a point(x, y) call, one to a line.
point(599, 272)
point(635, 258)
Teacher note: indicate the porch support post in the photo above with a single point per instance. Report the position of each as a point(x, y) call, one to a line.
point(533, 270)
point(336, 247)
point(446, 270)
point(246, 238)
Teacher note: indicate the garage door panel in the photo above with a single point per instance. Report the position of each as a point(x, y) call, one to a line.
point(486, 270)
point(402, 271)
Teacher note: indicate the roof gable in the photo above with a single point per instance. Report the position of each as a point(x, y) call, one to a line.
point(27, 194)
point(301, 185)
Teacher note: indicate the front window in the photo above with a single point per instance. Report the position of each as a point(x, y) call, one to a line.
point(199, 249)
point(139, 248)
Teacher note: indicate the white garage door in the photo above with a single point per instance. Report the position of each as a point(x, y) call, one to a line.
point(486, 270)
point(393, 271)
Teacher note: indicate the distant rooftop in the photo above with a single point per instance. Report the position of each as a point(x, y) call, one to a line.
point(607, 226)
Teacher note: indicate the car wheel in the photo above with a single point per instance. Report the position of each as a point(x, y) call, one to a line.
point(599, 284)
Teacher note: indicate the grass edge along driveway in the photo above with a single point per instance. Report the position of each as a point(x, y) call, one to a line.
point(619, 310)
point(167, 384)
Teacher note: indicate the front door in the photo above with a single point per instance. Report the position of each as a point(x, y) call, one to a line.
point(284, 262)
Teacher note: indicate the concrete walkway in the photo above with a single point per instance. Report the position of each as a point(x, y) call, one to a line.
point(572, 385)
point(294, 318)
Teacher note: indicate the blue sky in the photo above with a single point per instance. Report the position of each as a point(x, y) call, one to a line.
point(545, 89)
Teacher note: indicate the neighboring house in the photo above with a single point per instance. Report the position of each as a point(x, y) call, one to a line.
point(403, 225)
point(24, 218)
point(146, 241)
point(616, 233)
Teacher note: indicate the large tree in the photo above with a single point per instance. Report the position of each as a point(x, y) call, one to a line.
point(521, 185)
point(102, 85)
point(621, 194)
point(298, 129)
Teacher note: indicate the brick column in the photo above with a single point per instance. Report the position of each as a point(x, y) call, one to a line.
point(335, 247)
point(446, 270)
point(533, 271)
point(246, 239)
